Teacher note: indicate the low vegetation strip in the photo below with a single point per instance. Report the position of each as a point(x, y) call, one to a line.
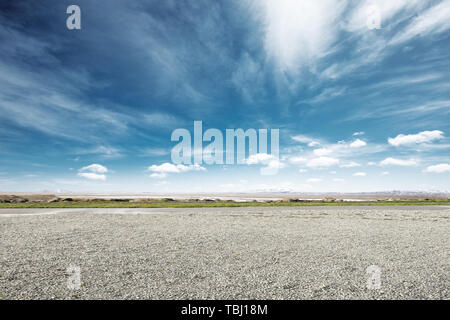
point(171, 203)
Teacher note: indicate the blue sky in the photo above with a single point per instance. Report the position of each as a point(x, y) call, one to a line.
point(92, 110)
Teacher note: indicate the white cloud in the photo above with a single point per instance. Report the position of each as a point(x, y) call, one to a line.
point(92, 176)
point(305, 139)
point(351, 164)
point(97, 168)
point(360, 133)
point(398, 162)
point(158, 175)
point(266, 159)
point(93, 172)
point(341, 149)
point(314, 180)
point(344, 148)
point(297, 160)
point(385, 173)
point(161, 171)
point(166, 167)
point(322, 162)
point(297, 32)
point(438, 168)
point(259, 158)
point(358, 143)
point(338, 180)
point(359, 174)
point(323, 151)
point(411, 139)
point(275, 164)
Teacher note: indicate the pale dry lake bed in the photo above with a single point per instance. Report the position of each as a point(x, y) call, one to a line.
point(226, 253)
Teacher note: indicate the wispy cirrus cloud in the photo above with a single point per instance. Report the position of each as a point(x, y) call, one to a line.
point(434, 20)
point(407, 110)
point(106, 152)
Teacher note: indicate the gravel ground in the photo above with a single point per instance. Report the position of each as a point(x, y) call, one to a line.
point(226, 253)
